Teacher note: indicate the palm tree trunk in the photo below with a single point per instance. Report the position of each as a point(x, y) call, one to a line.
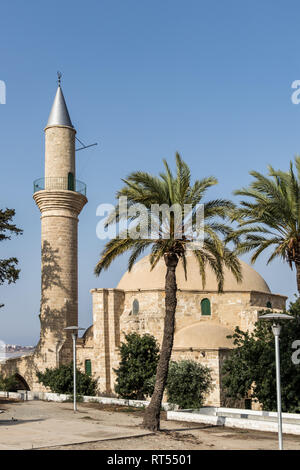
point(152, 413)
point(298, 276)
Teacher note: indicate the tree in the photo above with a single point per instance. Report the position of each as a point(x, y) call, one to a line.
point(60, 380)
point(8, 271)
point(150, 192)
point(8, 384)
point(250, 370)
point(188, 383)
point(271, 216)
point(139, 357)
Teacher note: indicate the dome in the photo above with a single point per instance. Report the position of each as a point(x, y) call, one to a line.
point(140, 277)
point(203, 335)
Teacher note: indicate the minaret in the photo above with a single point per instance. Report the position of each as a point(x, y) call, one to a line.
point(60, 198)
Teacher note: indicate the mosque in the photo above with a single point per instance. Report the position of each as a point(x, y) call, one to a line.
point(204, 318)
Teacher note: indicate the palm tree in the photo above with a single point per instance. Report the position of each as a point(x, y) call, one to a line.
point(270, 218)
point(143, 188)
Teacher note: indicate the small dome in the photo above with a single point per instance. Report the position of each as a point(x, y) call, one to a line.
point(203, 335)
point(140, 277)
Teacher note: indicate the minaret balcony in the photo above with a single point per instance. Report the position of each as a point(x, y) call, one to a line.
point(59, 183)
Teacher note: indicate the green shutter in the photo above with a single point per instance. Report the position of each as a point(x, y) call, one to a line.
point(71, 182)
point(205, 307)
point(269, 305)
point(88, 367)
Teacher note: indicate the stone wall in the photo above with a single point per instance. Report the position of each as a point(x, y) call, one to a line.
point(113, 317)
point(230, 309)
point(209, 358)
point(104, 355)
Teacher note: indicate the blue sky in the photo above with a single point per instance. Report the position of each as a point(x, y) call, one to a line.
point(210, 79)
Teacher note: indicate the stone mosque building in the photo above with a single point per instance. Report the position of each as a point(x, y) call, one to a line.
point(204, 318)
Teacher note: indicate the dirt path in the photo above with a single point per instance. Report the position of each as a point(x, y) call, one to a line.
point(49, 425)
point(183, 436)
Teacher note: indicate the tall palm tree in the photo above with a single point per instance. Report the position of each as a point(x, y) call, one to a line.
point(143, 188)
point(270, 217)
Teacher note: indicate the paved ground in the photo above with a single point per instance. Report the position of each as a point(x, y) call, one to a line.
point(36, 424)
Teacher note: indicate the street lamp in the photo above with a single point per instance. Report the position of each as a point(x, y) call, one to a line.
point(74, 330)
point(276, 327)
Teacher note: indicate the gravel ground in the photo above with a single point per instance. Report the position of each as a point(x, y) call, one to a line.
point(49, 425)
point(184, 436)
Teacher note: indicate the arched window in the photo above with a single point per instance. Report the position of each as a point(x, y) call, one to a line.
point(268, 304)
point(88, 367)
point(205, 307)
point(135, 307)
point(71, 186)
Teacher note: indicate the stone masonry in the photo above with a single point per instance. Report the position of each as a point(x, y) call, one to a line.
point(113, 318)
point(60, 205)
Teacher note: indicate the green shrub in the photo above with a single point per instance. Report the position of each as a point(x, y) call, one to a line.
point(188, 383)
point(250, 370)
point(60, 380)
point(8, 384)
point(139, 357)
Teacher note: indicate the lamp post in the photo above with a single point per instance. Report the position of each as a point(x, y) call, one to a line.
point(74, 330)
point(276, 328)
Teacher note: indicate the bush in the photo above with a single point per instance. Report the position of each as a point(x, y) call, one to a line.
point(8, 384)
point(60, 380)
point(250, 370)
point(188, 383)
point(139, 357)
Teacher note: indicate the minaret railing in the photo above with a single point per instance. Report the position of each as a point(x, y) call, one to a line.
point(59, 183)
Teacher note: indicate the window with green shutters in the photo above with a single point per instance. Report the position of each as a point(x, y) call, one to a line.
point(88, 367)
point(71, 185)
point(268, 305)
point(205, 307)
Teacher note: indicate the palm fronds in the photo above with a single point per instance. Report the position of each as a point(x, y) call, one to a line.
point(163, 231)
point(269, 217)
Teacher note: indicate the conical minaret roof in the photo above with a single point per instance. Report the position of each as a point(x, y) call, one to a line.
point(59, 115)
